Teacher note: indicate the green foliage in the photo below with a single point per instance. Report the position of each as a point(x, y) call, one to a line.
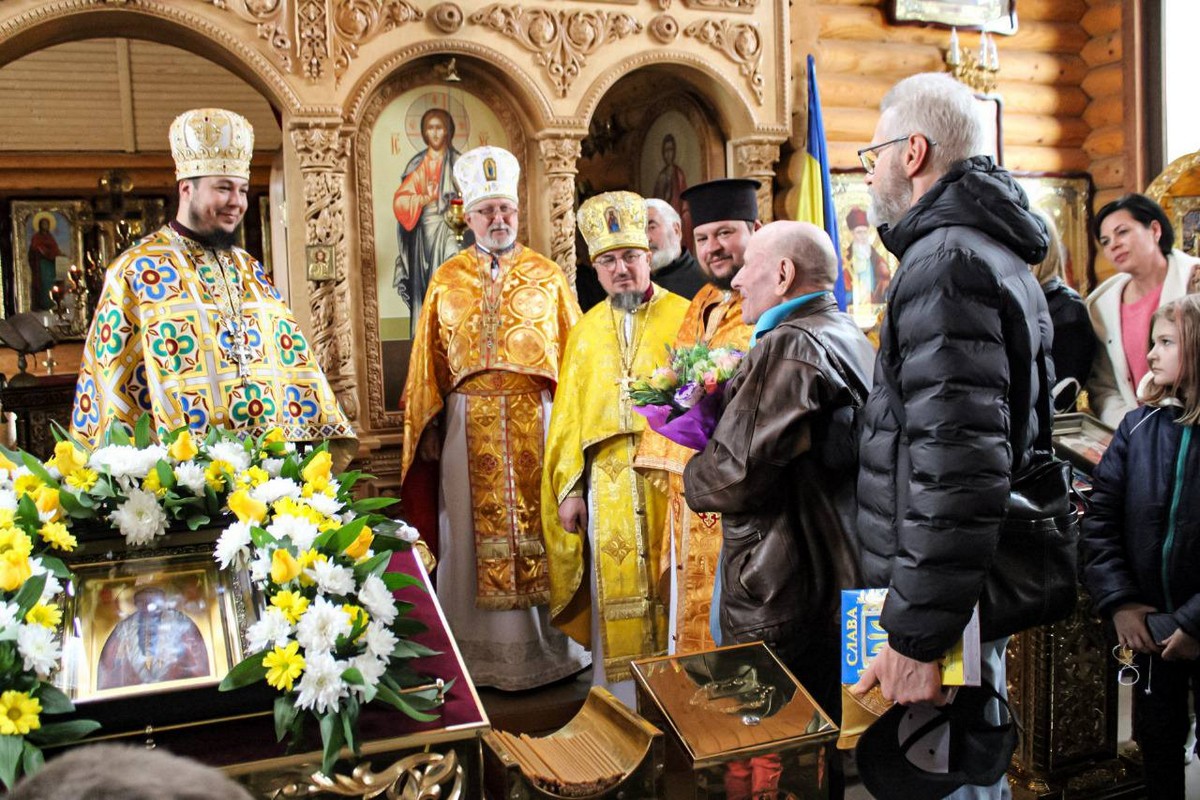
point(249, 670)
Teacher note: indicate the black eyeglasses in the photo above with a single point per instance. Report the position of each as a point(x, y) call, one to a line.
point(869, 155)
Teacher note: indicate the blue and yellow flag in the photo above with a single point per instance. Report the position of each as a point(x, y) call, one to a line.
point(816, 197)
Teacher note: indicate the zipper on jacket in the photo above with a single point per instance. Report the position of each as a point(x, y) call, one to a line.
point(1169, 544)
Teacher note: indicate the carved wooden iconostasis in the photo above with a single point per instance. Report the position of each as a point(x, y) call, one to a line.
point(347, 78)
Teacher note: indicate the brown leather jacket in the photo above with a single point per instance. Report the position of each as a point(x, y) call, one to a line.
point(781, 469)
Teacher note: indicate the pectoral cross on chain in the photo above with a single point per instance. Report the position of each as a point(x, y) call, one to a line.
point(240, 349)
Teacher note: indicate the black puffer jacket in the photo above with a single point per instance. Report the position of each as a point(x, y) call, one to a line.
point(1074, 339)
point(964, 323)
point(1127, 532)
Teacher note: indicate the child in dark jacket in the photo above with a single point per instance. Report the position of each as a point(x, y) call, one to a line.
point(1141, 541)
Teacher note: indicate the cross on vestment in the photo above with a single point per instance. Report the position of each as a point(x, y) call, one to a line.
point(240, 349)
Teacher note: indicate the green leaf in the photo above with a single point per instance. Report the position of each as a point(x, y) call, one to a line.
point(38, 468)
point(261, 538)
point(197, 521)
point(118, 434)
point(406, 648)
point(346, 535)
point(249, 670)
point(70, 503)
point(141, 432)
point(58, 431)
point(352, 675)
point(285, 716)
point(372, 566)
point(54, 701)
point(395, 581)
point(349, 717)
point(30, 593)
point(166, 475)
point(32, 759)
point(11, 748)
point(332, 737)
point(387, 695)
point(407, 626)
point(369, 504)
point(385, 542)
point(55, 566)
point(291, 469)
point(27, 513)
point(63, 732)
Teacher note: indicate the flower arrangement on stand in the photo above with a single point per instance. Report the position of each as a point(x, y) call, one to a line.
point(331, 638)
point(682, 401)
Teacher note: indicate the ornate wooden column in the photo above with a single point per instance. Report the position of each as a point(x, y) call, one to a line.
point(560, 154)
point(755, 158)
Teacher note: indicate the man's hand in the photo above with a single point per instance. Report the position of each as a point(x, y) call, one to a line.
point(430, 446)
point(1130, 621)
point(572, 514)
point(903, 680)
point(1180, 646)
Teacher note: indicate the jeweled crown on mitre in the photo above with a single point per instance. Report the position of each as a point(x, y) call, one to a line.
point(613, 220)
point(487, 173)
point(211, 141)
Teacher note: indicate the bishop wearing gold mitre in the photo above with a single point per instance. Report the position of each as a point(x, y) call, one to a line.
point(724, 215)
point(590, 488)
point(188, 327)
point(485, 360)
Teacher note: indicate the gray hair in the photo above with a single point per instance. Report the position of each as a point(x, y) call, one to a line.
point(665, 210)
point(809, 248)
point(939, 107)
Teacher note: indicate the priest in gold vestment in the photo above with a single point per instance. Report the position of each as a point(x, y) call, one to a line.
point(724, 215)
point(603, 593)
point(188, 327)
point(485, 362)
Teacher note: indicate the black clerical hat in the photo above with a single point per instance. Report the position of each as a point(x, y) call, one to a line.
point(728, 198)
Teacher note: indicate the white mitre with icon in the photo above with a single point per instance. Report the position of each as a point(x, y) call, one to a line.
point(211, 141)
point(487, 173)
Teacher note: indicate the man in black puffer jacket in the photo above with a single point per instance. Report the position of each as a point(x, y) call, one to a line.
point(951, 415)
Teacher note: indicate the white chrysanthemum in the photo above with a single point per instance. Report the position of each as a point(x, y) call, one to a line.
point(407, 532)
point(53, 471)
point(331, 578)
point(260, 567)
point(370, 668)
point(272, 629)
point(380, 640)
point(8, 621)
point(320, 627)
point(377, 600)
point(321, 686)
point(233, 452)
point(190, 475)
point(274, 489)
point(125, 461)
point(38, 646)
point(8, 499)
point(325, 504)
point(272, 466)
point(300, 531)
point(140, 518)
point(52, 588)
point(233, 546)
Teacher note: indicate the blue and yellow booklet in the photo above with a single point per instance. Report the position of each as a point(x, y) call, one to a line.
point(862, 636)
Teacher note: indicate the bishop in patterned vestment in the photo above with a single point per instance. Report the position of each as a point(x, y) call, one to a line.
point(188, 327)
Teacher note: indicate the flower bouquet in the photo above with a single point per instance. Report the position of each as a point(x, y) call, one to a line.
point(682, 401)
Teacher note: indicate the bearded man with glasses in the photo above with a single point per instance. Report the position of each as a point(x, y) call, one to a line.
point(590, 491)
point(485, 361)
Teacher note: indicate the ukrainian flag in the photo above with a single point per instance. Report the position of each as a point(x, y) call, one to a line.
point(816, 198)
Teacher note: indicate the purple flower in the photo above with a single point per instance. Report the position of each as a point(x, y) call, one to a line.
point(689, 394)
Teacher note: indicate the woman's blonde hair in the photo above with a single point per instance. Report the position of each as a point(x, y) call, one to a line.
point(1184, 313)
point(1053, 265)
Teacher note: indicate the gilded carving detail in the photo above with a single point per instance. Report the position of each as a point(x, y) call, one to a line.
point(446, 17)
point(560, 157)
point(664, 28)
point(420, 776)
point(312, 36)
point(744, 6)
point(267, 17)
point(356, 22)
point(740, 42)
point(757, 160)
point(324, 155)
point(561, 39)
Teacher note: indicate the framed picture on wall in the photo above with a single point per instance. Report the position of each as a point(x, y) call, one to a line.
point(867, 266)
point(47, 242)
point(1185, 217)
point(994, 16)
point(1067, 199)
point(990, 111)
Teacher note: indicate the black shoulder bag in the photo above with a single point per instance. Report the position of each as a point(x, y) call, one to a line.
point(1033, 578)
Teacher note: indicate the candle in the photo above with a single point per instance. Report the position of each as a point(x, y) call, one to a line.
point(993, 55)
point(954, 57)
point(983, 50)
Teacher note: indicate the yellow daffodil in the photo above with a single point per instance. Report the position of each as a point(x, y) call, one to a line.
point(57, 535)
point(358, 616)
point(284, 665)
point(68, 458)
point(292, 604)
point(26, 484)
point(19, 713)
point(284, 566)
point(153, 484)
point(255, 476)
point(184, 447)
point(214, 474)
point(15, 569)
point(274, 436)
point(44, 615)
point(47, 502)
point(6, 463)
point(358, 548)
point(246, 508)
point(15, 540)
point(83, 479)
point(307, 559)
point(287, 507)
point(318, 472)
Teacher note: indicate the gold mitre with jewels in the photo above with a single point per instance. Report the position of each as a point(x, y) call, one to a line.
point(487, 173)
point(211, 141)
point(613, 220)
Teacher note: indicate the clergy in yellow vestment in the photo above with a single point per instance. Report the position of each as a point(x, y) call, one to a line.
point(188, 327)
point(485, 362)
point(724, 215)
point(603, 593)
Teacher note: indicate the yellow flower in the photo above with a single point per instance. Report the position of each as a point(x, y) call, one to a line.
point(152, 483)
point(19, 713)
point(307, 559)
point(284, 665)
point(58, 536)
point(284, 566)
point(26, 484)
point(83, 479)
point(292, 604)
point(358, 616)
point(274, 436)
point(15, 540)
point(7, 517)
point(318, 471)
point(184, 447)
point(358, 548)
point(44, 615)
point(14, 570)
point(68, 458)
point(254, 476)
point(246, 508)
point(287, 507)
point(214, 475)
point(46, 500)
point(6, 464)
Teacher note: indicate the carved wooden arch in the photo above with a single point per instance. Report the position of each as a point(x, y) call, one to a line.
point(164, 22)
point(477, 81)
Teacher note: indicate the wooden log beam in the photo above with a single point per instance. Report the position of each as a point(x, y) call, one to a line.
point(1105, 111)
point(1102, 18)
point(1101, 50)
point(1045, 159)
point(1050, 11)
point(1105, 142)
point(1105, 80)
point(899, 59)
point(870, 25)
point(1035, 98)
point(1109, 172)
point(1048, 131)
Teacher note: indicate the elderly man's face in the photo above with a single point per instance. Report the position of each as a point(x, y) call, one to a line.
point(663, 237)
point(625, 271)
point(494, 223)
point(758, 281)
point(721, 249)
point(890, 189)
